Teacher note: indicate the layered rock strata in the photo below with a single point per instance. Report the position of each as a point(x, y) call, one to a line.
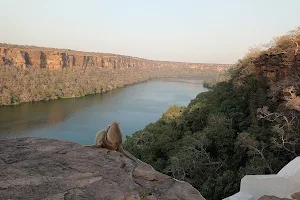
point(31, 56)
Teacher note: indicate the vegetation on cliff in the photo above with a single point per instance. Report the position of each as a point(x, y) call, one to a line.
point(249, 124)
point(30, 73)
point(35, 84)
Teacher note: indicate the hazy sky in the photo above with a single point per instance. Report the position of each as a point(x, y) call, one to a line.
point(218, 31)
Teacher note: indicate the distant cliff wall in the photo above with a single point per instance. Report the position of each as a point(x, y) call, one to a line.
point(53, 59)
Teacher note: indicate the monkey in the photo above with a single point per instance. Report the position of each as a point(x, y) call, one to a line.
point(111, 139)
point(98, 141)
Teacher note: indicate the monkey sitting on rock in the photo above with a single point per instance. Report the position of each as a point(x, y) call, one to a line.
point(111, 138)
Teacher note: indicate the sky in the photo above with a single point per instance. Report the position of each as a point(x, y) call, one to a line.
point(201, 31)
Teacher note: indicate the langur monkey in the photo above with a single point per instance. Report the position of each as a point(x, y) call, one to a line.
point(111, 138)
point(98, 141)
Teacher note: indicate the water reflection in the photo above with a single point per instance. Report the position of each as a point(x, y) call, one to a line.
point(79, 119)
point(56, 114)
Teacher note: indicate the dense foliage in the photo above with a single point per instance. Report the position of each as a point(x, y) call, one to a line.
point(35, 84)
point(235, 129)
point(216, 140)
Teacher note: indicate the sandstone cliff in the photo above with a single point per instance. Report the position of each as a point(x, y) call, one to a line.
point(36, 168)
point(282, 70)
point(278, 66)
point(31, 56)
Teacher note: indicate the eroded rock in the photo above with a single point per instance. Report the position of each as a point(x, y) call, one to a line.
point(296, 195)
point(266, 197)
point(53, 59)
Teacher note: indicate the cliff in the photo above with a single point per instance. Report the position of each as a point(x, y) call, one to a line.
point(36, 168)
point(40, 57)
point(61, 73)
point(282, 71)
point(278, 66)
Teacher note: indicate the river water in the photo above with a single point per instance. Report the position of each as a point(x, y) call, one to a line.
point(79, 119)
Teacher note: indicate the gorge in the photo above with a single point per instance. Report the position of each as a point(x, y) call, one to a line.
point(79, 119)
point(34, 73)
point(246, 124)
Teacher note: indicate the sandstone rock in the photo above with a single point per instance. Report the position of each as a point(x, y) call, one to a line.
point(34, 58)
point(36, 168)
point(54, 60)
point(294, 103)
point(296, 195)
point(151, 197)
point(277, 66)
point(27, 56)
point(266, 197)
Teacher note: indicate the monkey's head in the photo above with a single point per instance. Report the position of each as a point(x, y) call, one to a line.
point(115, 130)
point(115, 123)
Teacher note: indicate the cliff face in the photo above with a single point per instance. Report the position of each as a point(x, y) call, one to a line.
point(28, 56)
point(282, 70)
point(278, 66)
point(36, 168)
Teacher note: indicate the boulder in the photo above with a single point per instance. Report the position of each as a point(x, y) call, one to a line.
point(37, 168)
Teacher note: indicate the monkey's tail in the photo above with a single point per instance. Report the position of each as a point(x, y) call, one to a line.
point(128, 155)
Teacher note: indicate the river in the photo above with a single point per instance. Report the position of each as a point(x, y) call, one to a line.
point(79, 119)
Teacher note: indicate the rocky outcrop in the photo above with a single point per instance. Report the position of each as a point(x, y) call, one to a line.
point(277, 66)
point(31, 56)
point(36, 168)
point(266, 197)
point(282, 71)
point(296, 195)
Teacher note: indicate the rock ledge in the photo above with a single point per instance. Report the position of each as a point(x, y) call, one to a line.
point(38, 168)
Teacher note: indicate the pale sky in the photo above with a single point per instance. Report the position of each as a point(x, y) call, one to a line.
point(211, 31)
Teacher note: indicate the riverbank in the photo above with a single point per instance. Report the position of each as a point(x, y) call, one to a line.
point(34, 84)
point(133, 106)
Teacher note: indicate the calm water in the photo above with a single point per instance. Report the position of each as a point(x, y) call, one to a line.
point(80, 119)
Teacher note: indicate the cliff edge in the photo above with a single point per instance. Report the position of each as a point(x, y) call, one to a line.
point(54, 59)
point(38, 168)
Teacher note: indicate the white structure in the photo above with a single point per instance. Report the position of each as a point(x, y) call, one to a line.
point(283, 184)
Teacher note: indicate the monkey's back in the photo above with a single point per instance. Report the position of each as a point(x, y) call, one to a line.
point(114, 135)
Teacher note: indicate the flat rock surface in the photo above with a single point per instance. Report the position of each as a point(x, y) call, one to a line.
point(38, 168)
